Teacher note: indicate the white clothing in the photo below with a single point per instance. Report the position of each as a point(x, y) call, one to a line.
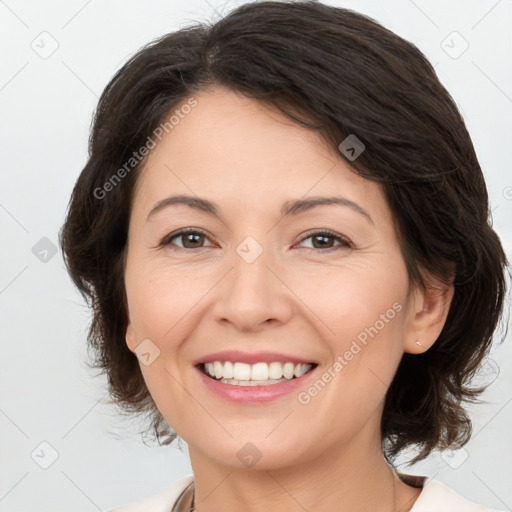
point(435, 497)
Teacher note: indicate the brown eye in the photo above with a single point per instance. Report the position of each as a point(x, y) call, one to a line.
point(191, 239)
point(321, 239)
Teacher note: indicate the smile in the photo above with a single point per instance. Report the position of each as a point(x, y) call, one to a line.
point(258, 374)
point(244, 383)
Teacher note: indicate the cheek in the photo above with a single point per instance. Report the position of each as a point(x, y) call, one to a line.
point(160, 297)
point(347, 301)
point(161, 304)
point(359, 317)
point(359, 314)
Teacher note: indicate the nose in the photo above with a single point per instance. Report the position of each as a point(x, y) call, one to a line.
point(253, 294)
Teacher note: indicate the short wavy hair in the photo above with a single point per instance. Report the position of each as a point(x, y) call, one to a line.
point(336, 72)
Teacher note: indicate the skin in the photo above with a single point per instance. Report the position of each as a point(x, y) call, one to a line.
point(197, 296)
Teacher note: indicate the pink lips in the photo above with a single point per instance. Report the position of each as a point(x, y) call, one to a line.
point(251, 358)
point(252, 394)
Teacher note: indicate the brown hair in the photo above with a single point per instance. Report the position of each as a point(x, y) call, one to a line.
point(339, 73)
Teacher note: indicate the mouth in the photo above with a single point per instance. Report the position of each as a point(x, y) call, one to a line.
point(258, 374)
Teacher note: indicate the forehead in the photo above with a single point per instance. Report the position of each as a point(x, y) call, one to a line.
point(231, 147)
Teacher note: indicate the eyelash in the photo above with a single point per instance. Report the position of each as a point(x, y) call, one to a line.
point(344, 243)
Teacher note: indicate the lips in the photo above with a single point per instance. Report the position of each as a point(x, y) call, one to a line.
point(247, 395)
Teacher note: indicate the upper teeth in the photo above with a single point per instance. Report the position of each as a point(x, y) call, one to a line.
point(258, 371)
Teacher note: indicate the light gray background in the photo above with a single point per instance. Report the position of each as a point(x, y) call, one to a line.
point(47, 393)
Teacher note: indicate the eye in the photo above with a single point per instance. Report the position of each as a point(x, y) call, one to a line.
point(191, 238)
point(321, 238)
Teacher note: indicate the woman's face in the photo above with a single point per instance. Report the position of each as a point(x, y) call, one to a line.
point(253, 279)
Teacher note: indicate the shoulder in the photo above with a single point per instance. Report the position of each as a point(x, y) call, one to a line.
point(439, 497)
point(161, 502)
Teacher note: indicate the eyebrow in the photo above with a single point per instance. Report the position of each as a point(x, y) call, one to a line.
point(292, 207)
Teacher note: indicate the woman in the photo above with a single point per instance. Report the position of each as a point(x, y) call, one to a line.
point(283, 232)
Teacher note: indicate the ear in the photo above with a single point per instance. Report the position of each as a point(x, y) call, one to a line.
point(428, 312)
point(130, 336)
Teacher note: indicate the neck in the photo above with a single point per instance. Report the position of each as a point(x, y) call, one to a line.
point(340, 479)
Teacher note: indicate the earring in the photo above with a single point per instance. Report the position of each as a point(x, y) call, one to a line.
point(418, 342)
